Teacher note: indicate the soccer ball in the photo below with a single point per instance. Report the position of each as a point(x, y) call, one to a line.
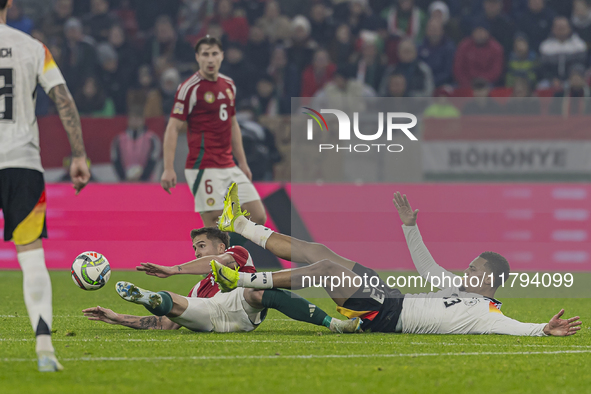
point(91, 271)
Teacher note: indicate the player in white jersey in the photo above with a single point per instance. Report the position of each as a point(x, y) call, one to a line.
point(24, 63)
point(465, 309)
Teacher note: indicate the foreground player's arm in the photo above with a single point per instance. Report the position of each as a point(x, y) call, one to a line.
point(500, 324)
point(200, 266)
point(138, 322)
point(173, 129)
point(66, 107)
point(421, 257)
point(238, 148)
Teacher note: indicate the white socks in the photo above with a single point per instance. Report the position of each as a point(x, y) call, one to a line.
point(252, 231)
point(37, 293)
point(256, 280)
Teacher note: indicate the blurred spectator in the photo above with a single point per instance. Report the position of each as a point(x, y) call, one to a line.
point(166, 48)
point(258, 49)
point(575, 98)
point(149, 11)
point(276, 26)
point(342, 46)
point(343, 92)
point(301, 47)
point(522, 61)
point(501, 27)
point(126, 16)
point(145, 94)
point(78, 56)
point(254, 9)
point(292, 8)
point(236, 27)
point(522, 102)
point(126, 53)
point(169, 82)
point(114, 81)
point(560, 51)
point(440, 11)
point(478, 56)
point(581, 19)
point(286, 78)
point(264, 101)
point(259, 145)
point(136, 151)
point(98, 23)
point(536, 22)
point(396, 86)
point(419, 79)
point(438, 51)
point(358, 15)
point(316, 75)
point(370, 69)
point(481, 104)
point(92, 100)
point(442, 107)
point(191, 17)
point(321, 23)
point(53, 24)
point(241, 71)
point(16, 19)
point(405, 20)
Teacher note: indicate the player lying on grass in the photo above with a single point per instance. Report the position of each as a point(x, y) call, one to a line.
point(453, 310)
point(206, 309)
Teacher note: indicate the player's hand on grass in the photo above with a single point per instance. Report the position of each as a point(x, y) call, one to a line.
point(101, 314)
point(246, 170)
point(79, 173)
point(407, 215)
point(160, 271)
point(562, 327)
point(168, 180)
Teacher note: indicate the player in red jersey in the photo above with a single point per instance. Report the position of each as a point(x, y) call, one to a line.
point(205, 106)
point(206, 309)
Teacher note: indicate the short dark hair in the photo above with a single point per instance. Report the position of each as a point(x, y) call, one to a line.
point(3, 4)
point(208, 40)
point(213, 233)
point(499, 267)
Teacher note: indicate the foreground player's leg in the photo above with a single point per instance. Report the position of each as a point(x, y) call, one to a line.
point(234, 220)
point(324, 273)
point(157, 303)
point(298, 308)
point(37, 294)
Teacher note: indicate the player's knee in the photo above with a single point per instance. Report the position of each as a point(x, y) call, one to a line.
point(254, 297)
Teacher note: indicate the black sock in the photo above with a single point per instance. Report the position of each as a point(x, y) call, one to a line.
point(294, 306)
point(237, 239)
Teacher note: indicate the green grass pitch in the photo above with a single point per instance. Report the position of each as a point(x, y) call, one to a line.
point(281, 356)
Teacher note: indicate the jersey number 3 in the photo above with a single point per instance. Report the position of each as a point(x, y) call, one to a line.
point(6, 94)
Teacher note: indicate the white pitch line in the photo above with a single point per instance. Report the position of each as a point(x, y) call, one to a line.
point(183, 340)
point(305, 356)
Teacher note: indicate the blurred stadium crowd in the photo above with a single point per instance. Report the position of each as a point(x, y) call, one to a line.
point(121, 53)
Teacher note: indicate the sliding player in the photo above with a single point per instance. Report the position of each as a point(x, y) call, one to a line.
point(205, 106)
point(24, 63)
point(205, 309)
point(453, 310)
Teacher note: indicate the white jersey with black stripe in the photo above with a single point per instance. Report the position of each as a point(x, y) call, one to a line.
point(24, 63)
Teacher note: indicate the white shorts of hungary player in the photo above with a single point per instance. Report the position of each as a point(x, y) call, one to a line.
point(224, 312)
point(209, 187)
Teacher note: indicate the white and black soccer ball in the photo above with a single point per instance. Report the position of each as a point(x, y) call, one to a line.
point(91, 271)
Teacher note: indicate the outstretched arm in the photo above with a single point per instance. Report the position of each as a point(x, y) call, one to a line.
point(500, 324)
point(70, 118)
point(138, 322)
point(200, 266)
point(421, 257)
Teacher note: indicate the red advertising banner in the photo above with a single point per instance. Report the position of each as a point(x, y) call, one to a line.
point(536, 226)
